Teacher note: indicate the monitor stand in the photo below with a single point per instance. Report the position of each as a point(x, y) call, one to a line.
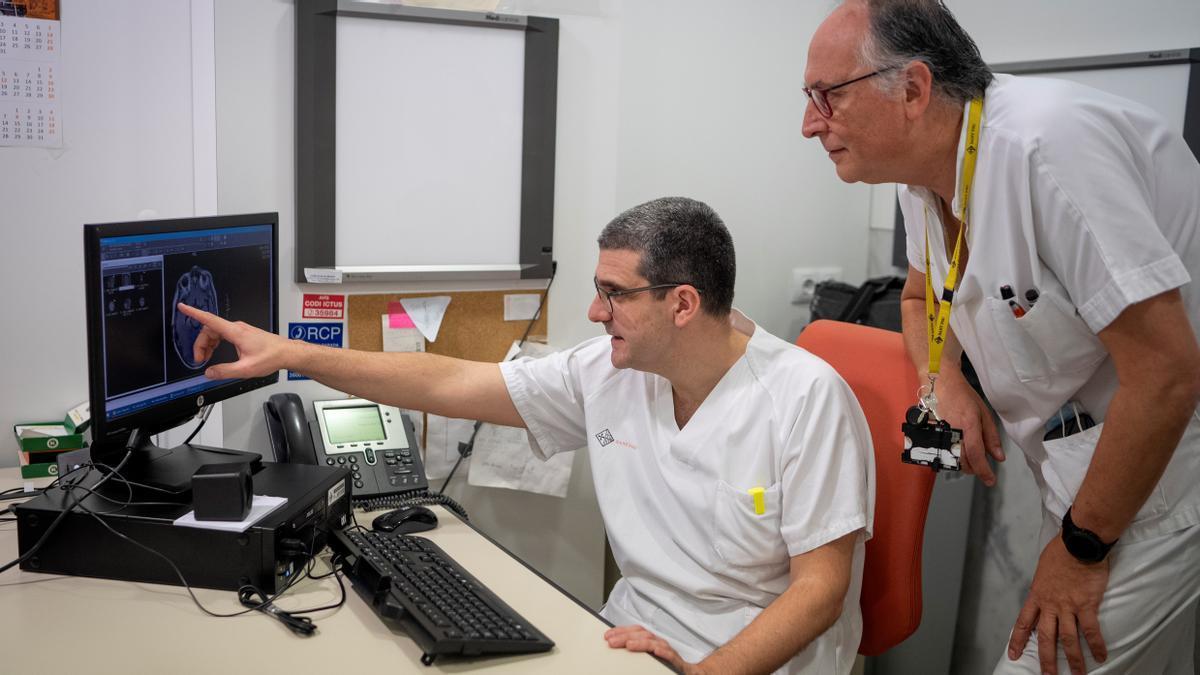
point(166, 473)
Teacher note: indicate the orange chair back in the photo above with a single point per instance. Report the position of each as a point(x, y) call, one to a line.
point(876, 366)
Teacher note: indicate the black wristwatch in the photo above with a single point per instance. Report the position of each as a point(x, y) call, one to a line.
point(1085, 545)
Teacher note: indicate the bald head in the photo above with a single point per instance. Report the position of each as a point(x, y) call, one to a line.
point(838, 41)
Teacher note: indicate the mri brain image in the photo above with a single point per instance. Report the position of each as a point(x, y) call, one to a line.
point(194, 288)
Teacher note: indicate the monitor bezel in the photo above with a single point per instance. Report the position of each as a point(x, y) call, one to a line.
point(164, 416)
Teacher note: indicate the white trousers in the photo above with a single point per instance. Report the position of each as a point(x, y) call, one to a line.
point(1148, 614)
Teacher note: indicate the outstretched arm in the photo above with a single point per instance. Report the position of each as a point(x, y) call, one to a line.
point(429, 382)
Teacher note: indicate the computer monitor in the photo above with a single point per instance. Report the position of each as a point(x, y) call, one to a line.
point(142, 371)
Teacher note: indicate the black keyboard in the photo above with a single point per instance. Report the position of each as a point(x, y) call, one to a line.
point(440, 605)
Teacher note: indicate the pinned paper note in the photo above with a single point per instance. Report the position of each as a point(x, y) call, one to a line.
point(521, 306)
point(503, 459)
point(397, 317)
point(531, 349)
point(401, 339)
point(441, 443)
point(427, 313)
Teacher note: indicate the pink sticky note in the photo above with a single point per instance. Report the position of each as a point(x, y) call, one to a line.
point(397, 317)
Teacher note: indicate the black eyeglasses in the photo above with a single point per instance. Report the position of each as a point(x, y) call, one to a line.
point(607, 296)
point(818, 94)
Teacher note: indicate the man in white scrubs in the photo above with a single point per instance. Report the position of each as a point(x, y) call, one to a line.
point(1091, 202)
point(734, 470)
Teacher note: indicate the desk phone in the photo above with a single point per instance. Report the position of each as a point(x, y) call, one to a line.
point(376, 442)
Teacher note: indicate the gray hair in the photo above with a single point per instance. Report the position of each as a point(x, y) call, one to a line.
point(902, 31)
point(681, 241)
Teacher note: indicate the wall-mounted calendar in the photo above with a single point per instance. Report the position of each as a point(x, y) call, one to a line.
point(30, 112)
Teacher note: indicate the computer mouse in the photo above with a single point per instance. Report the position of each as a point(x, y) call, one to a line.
point(405, 520)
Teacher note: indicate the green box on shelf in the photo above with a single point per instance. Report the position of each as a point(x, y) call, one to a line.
point(78, 418)
point(38, 464)
point(39, 437)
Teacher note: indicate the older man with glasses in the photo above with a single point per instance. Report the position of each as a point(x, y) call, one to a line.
point(1052, 230)
point(733, 470)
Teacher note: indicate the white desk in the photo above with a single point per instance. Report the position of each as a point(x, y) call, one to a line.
point(55, 624)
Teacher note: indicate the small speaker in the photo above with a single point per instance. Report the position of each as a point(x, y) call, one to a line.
point(222, 492)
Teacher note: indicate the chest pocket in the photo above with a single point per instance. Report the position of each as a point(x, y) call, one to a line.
point(1050, 340)
point(743, 538)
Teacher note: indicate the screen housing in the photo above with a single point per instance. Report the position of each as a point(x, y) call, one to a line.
point(108, 435)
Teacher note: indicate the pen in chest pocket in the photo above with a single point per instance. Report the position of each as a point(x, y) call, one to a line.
point(760, 500)
point(1006, 293)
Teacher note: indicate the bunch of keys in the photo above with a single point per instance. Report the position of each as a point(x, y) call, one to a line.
point(929, 440)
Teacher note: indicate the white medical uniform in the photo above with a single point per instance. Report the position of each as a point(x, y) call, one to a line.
point(698, 563)
point(1094, 202)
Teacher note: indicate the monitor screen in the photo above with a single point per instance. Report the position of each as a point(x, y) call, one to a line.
point(143, 372)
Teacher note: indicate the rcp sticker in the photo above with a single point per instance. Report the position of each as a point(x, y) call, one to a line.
point(328, 334)
point(335, 494)
point(323, 306)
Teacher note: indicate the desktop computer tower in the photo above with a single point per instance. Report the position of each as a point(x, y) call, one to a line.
point(267, 555)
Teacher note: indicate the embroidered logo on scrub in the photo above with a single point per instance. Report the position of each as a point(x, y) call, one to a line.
point(605, 437)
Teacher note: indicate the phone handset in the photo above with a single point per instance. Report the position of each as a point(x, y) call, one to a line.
point(287, 429)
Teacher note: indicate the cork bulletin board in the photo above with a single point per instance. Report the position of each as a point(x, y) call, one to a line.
point(473, 328)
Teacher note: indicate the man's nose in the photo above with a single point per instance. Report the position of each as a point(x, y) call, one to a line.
point(598, 311)
point(813, 123)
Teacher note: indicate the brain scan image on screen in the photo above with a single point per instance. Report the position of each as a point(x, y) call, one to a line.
point(194, 288)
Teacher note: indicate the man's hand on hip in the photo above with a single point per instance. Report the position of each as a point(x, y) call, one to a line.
point(1063, 602)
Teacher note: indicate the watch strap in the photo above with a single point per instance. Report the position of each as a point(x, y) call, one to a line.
point(1072, 531)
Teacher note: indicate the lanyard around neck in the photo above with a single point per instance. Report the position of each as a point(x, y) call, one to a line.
point(939, 319)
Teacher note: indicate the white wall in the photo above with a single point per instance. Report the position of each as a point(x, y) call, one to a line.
point(711, 108)
point(137, 142)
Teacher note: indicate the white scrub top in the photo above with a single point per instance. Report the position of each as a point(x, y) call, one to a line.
point(698, 564)
point(1093, 201)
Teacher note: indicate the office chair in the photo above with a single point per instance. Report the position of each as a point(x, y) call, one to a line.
point(875, 364)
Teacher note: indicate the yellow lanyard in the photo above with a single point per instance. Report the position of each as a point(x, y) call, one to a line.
point(939, 321)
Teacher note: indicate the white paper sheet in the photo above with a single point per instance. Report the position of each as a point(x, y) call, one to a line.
point(401, 339)
point(531, 349)
point(427, 313)
point(322, 275)
point(521, 306)
point(30, 88)
point(41, 430)
point(261, 506)
point(441, 444)
point(503, 458)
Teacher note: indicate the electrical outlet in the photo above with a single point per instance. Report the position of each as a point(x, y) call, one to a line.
point(805, 280)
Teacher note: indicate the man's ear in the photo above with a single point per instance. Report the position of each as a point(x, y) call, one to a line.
point(686, 304)
point(918, 89)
